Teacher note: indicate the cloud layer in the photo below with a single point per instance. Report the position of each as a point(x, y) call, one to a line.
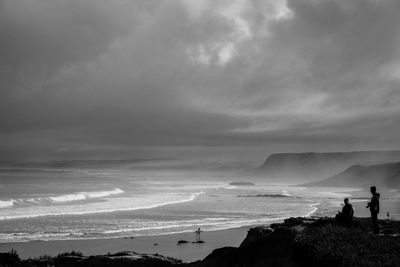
point(110, 75)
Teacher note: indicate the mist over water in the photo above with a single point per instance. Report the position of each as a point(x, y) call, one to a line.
point(70, 200)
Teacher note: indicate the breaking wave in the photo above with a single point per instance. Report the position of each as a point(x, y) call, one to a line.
point(59, 199)
point(6, 204)
point(124, 204)
point(86, 195)
point(266, 195)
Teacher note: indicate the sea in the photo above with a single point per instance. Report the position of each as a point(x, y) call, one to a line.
point(70, 200)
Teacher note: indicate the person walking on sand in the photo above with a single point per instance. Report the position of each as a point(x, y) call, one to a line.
point(373, 206)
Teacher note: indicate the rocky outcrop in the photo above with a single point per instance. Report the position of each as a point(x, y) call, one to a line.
point(312, 242)
point(317, 166)
point(382, 175)
point(255, 235)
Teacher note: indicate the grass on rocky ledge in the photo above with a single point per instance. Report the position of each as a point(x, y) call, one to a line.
point(335, 245)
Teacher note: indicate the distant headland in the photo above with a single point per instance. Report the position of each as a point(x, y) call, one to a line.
point(318, 166)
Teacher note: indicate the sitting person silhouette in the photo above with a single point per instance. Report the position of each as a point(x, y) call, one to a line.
point(346, 216)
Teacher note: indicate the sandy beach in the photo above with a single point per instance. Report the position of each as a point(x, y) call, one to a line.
point(162, 244)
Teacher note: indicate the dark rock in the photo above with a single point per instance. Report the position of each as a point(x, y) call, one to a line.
point(255, 235)
point(9, 259)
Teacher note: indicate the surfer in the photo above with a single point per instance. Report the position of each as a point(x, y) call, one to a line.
point(198, 231)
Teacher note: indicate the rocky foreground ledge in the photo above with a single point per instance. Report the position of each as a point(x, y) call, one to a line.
point(295, 242)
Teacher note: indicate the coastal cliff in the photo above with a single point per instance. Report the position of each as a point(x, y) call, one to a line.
point(316, 166)
point(386, 175)
point(294, 243)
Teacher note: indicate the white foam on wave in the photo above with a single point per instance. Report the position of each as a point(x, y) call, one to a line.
point(183, 224)
point(140, 227)
point(285, 193)
point(167, 227)
point(6, 203)
point(59, 199)
point(183, 186)
point(85, 195)
point(229, 187)
point(26, 237)
point(111, 205)
point(68, 197)
point(207, 224)
point(314, 209)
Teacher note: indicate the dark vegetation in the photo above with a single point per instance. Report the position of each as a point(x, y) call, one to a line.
point(339, 246)
point(73, 258)
point(295, 242)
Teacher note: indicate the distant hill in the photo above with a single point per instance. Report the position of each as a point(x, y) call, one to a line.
point(317, 166)
point(382, 175)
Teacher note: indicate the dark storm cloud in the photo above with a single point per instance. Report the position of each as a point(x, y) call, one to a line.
point(306, 74)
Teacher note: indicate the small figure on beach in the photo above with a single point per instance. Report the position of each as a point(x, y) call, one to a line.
point(346, 216)
point(373, 206)
point(198, 231)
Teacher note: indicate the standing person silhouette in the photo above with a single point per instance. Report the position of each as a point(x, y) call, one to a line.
point(373, 206)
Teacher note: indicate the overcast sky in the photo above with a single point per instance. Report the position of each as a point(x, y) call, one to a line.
point(83, 78)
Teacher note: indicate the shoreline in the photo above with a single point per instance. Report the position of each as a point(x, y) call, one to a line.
point(297, 241)
point(165, 245)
